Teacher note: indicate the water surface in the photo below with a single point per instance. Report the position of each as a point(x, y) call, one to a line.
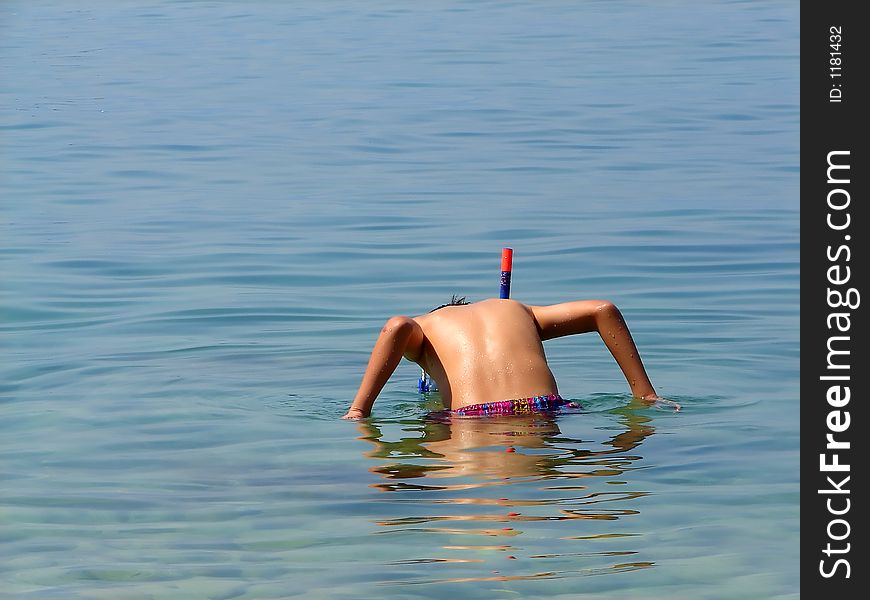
point(210, 208)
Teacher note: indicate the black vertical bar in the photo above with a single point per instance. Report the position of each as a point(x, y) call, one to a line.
point(834, 264)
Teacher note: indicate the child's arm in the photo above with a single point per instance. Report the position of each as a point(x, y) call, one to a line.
point(602, 316)
point(400, 335)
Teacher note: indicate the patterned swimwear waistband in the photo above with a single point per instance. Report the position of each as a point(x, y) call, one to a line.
point(521, 406)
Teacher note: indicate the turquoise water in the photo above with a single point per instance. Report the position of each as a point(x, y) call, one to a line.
point(210, 208)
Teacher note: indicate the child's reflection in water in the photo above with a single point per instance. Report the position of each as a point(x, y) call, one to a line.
point(475, 495)
point(496, 448)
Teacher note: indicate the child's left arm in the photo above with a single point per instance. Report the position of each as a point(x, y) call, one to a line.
point(400, 336)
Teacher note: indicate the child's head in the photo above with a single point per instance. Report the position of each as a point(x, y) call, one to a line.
point(454, 301)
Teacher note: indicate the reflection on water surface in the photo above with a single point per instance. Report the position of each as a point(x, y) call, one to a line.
point(485, 490)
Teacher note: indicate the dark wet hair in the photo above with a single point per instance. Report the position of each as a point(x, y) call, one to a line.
point(454, 301)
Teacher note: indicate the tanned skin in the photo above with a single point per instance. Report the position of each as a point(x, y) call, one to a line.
point(493, 350)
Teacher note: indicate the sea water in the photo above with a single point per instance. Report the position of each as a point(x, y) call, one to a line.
point(210, 208)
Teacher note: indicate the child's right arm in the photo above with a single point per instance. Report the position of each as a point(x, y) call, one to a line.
point(583, 316)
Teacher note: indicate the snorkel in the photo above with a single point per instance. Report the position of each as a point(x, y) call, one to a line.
point(507, 258)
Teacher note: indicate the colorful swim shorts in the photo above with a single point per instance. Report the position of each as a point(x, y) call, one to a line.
point(522, 406)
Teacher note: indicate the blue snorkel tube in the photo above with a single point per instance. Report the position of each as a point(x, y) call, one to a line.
point(426, 384)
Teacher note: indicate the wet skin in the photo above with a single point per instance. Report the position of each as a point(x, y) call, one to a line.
point(493, 350)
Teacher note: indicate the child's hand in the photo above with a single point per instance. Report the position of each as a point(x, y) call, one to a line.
point(354, 413)
point(659, 402)
point(663, 403)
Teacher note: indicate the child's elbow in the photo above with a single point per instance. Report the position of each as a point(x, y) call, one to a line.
point(606, 307)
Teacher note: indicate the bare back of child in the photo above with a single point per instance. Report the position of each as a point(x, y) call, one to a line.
point(489, 356)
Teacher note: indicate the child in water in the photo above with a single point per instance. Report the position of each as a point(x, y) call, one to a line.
point(488, 357)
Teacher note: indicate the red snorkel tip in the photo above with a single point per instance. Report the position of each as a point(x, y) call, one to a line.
point(507, 259)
